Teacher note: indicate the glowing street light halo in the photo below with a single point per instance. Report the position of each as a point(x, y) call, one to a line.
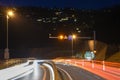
point(10, 13)
point(73, 36)
point(61, 37)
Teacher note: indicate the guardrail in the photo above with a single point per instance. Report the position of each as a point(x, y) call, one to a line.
point(11, 62)
point(12, 72)
point(111, 64)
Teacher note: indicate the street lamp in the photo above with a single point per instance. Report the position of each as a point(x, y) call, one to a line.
point(73, 37)
point(61, 37)
point(8, 15)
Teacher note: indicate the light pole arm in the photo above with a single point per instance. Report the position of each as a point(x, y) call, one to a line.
point(84, 37)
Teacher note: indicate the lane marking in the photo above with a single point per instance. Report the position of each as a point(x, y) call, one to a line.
point(66, 73)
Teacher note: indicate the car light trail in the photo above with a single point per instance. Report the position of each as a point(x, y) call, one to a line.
point(52, 74)
point(26, 73)
point(12, 72)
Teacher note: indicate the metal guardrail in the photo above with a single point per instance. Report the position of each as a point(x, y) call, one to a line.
point(11, 62)
point(111, 64)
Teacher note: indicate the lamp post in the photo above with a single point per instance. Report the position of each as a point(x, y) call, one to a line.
point(94, 34)
point(73, 37)
point(8, 15)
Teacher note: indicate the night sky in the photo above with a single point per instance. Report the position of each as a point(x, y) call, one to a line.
point(24, 36)
point(86, 4)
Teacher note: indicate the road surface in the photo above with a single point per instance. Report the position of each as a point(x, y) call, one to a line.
point(78, 73)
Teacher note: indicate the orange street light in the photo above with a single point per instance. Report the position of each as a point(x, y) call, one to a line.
point(10, 13)
point(61, 37)
point(73, 36)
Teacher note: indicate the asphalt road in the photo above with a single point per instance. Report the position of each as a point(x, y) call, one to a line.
point(78, 73)
point(66, 72)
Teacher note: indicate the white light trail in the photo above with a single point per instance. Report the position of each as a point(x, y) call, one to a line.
point(52, 74)
point(12, 72)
